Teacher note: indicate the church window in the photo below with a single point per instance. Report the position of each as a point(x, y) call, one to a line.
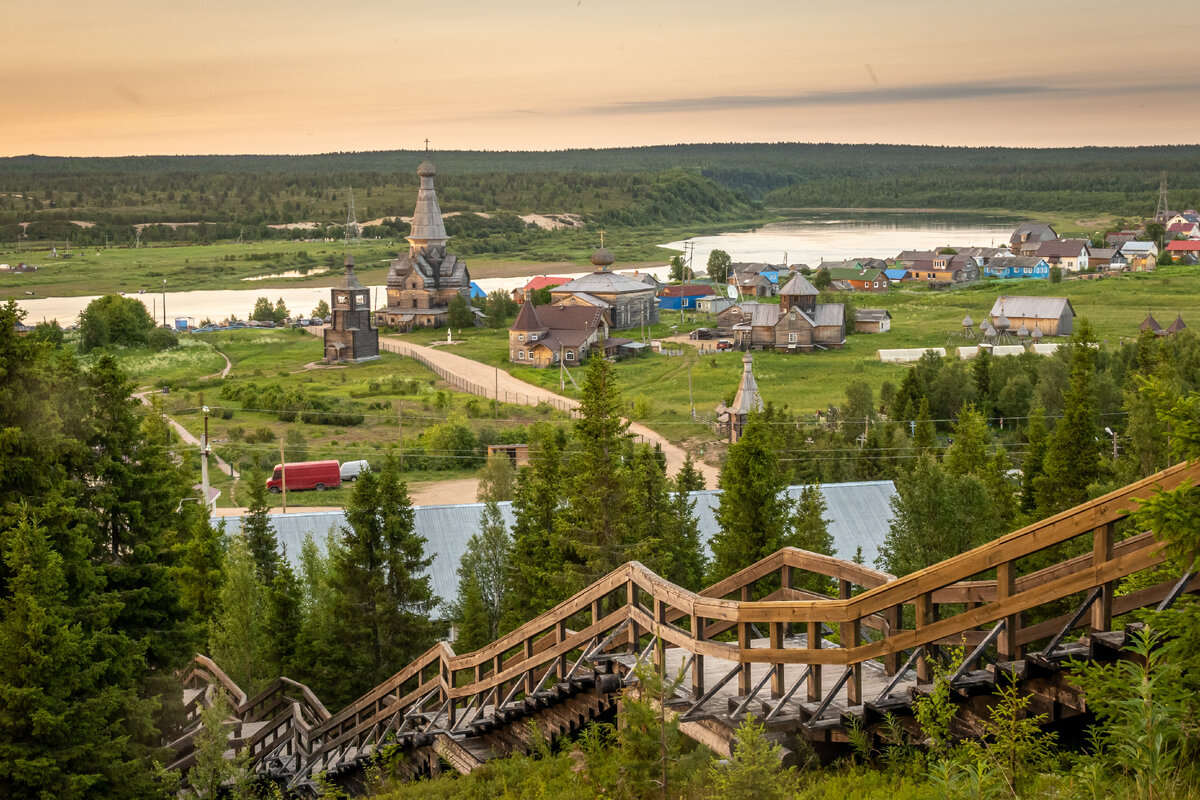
point(792, 338)
point(520, 337)
point(520, 355)
point(533, 337)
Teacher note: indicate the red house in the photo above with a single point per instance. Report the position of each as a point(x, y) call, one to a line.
point(1181, 249)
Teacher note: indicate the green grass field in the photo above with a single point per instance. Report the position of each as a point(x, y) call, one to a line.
point(374, 389)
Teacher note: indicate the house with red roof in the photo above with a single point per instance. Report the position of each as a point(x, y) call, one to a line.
point(1184, 251)
point(1188, 230)
point(538, 282)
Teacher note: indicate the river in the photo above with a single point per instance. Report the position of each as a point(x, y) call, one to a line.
point(807, 239)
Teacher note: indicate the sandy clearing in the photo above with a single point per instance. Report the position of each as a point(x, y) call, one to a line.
point(83, 223)
point(552, 222)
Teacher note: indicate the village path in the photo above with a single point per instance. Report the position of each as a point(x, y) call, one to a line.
point(188, 438)
point(492, 382)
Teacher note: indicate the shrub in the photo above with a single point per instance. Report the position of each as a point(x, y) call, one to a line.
point(161, 339)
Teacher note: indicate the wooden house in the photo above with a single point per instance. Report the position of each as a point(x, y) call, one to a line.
point(1070, 255)
point(1181, 249)
point(1052, 316)
point(872, 320)
point(1018, 267)
point(535, 283)
point(676, 298)
point(1028, 237)
point(629, 301)
point(544, 336)
point(857, 277)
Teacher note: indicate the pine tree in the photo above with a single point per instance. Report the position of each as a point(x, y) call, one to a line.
point(649, 530)
point(594, 526)
point(755, 772)
point(380, 581)
point(535, 581)
point(62, 732)
point(237, 641)
point(810, 531)
point(258, 531)
point(687, 560)
point(317, 659)
point(213, 769)
point(752, 512)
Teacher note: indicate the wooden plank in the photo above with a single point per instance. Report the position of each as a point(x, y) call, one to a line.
point(1102, 551)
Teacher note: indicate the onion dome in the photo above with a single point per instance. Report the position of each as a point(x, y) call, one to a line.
point(1001, 323)
point(983, 326)
point(1037, 334)
point(1022, 331)
point(603, 258)
point(989, 332)
point(967, 321)
point(426, 170)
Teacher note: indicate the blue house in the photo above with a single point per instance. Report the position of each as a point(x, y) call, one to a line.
point(674, 298)
point(1018, 267)
point(476, 291)
point(896, 274)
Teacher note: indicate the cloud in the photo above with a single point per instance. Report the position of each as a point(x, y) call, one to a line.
point(873, 96)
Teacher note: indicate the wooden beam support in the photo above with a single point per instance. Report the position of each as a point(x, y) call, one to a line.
point(850, 632)
point(529, 682)
point(893, 618)
point(743, 634)
point(814, 677)
point(925, 617)
point(660, 644)
point(1102, 551)
point(698, 661)
point(1006, 587)
point(777, 680)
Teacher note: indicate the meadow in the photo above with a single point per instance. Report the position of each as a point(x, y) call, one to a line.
point(385, 394)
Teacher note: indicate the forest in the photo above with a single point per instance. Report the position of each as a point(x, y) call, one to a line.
point(239, 196)
point(111, 579)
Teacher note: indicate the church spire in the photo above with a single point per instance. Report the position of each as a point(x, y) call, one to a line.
point(427, 227)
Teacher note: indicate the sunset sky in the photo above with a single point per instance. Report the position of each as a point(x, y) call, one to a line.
point(117, 77)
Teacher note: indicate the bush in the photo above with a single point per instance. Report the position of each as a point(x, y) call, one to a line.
point(114, 320)
point(161, 339)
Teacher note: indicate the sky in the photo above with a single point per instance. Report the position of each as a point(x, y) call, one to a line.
point(126, 77)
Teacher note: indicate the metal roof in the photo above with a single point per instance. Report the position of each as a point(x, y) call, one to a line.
point(859, 515)
point(1031, 307)
point(602, 283)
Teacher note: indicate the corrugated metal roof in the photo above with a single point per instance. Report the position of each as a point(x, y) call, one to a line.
point(859, 514)
point(1031, 307)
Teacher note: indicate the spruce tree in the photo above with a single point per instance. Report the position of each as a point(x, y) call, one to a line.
point(237, 641)
point(924, 434)
point(595, 524)
point(258, 531)
point(1035, 454)
point(62, 721)
point(535, 581)
point(200, 570)
point(380, 581)
point(752, 512)
point(687, 559)
point(968, 452)
point(649, 531)
point(482, 580)
point(810, 531)
point(284, 620)
point(1073, 460)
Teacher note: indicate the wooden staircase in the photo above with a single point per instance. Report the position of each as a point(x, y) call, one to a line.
point(801, 662)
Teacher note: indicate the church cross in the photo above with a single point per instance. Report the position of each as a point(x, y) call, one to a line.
point(426, 144)
point(602, 232)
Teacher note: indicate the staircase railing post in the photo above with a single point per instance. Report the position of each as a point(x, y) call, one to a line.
point(743, 637)
point(529, 682)
point(926, 614)
point(660, 621)
point(1006, 587)
point(561, 636)
point(892, 618)
point(697, 624)
point(813, 635)
point(631, 601)
point(1102, 551)
point(777, 682)
point(850, 633)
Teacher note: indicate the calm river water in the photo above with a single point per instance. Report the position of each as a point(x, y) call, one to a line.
point(801, 240)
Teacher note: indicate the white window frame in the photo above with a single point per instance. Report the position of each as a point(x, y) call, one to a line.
point(533, 337)
point(520, 355)
point(520, 337)
point(570, 356)
point(793, 338)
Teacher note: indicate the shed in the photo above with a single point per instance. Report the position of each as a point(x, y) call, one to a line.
point(872, 320)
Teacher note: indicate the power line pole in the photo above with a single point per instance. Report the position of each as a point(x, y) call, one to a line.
point(164, 294)
point(204, 458)
point(400, 425)
point(1160, 213)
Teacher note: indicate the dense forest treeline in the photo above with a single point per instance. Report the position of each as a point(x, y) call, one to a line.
point(621, 186)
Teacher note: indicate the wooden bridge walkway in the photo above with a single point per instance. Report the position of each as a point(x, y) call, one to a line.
point(799, 661)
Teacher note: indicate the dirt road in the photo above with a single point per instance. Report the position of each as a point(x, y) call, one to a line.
point(486, 381)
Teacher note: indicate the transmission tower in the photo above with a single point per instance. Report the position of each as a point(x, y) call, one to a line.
point(353, 229)
point(1163, 211)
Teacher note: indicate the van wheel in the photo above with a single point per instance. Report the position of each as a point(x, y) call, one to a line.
point(320, 487)
point(274, 490)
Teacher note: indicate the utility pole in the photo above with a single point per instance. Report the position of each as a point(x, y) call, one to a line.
point(164, 293)
point(204, 458)
point(283, 474)
point(691, 400)
point(496, 406)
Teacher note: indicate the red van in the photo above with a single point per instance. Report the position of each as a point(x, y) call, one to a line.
point(318, 475)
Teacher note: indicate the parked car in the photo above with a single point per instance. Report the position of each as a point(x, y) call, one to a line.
point(352, 469)
point(301, 475)
point(702, 333)
point(724, 344)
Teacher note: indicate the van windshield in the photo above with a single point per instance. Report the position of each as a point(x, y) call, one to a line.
point(278, 475)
